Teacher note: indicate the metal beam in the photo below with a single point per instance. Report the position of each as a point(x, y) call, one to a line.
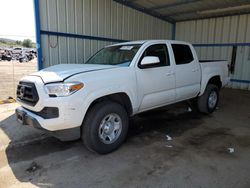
point(240, 81)
point(181, 13)
point(72, 35)
point(174, 4)
point(203, 9)
point(38, 34)
point(146, 11)
point(221, 44)
point(214, 16)
point(173, 31)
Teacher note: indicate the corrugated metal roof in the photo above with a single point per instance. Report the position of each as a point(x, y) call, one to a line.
point(180, 10)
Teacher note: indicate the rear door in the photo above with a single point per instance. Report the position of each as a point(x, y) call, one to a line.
point(187, 69)
point(156, 84)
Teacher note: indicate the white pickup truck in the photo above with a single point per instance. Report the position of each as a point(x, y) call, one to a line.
point(93, 101)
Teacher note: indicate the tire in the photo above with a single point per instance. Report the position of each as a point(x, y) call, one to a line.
point(96, 122)
point(207, 103)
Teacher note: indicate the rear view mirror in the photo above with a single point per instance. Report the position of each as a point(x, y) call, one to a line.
point(150, 60)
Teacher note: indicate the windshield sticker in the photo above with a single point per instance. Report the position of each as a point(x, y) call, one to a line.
point(126, 47)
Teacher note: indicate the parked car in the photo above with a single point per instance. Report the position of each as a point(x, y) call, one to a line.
point(93, 101)
point(16, 53)
point(25, 57)
point(19, 54)
point(5, 55)
point(17, 50)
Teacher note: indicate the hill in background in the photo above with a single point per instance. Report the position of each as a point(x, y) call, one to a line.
point(9, 43)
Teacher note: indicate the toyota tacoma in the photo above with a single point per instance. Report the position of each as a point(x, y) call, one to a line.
point(94, 100)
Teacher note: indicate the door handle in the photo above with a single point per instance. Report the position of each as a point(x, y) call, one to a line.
point(195, 70)
point(170, 73)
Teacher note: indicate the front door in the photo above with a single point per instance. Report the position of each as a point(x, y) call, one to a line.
point(156, 84)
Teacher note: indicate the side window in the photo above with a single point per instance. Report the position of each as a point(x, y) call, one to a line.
point(182, 54)
point(159, 50)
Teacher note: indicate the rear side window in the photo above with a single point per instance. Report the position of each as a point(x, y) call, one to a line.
point(182, 54)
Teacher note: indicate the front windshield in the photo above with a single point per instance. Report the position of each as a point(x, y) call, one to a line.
point(121, 55)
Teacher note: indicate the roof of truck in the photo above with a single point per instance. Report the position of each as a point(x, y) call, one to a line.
point(147, 41)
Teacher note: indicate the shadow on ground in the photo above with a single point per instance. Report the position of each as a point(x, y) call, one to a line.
point(144, 129)
point(146, 158)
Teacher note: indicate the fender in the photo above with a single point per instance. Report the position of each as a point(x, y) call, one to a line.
point(94, 95)
point(205, 81)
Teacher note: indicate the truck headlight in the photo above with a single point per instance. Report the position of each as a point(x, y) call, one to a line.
point(63, 89)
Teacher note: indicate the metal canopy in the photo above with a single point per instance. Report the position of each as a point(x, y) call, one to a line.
point(182, 10)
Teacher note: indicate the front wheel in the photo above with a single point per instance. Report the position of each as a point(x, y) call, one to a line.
point(105, 127)
point(208, 101)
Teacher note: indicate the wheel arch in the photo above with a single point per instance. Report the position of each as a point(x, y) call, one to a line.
point(216, 80)
point(122, 98)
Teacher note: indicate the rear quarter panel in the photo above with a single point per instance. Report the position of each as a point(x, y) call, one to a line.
point(211, 69)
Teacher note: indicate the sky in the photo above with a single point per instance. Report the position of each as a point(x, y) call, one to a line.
point(17, 19)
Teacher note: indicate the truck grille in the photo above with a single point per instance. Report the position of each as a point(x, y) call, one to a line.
point(27, 93)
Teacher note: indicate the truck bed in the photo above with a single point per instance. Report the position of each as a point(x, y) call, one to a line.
point(216, 67)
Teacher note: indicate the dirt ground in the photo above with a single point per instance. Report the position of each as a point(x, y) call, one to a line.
point(197, 155)
point(10, 74)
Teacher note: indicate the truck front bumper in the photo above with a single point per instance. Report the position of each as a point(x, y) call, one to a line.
point(26, 117)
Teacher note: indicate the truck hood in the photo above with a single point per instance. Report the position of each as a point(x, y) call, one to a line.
point(61, 72)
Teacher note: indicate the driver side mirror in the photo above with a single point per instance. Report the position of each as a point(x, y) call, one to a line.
point(149, 61)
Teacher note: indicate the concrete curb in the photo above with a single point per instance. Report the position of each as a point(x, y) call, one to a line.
point(8, 107)
point(7, 101)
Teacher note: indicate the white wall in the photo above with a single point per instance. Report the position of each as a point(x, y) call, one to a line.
point(104, 18)
point(231, 29)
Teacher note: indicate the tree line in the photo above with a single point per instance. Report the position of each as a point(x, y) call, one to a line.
point(26, 43)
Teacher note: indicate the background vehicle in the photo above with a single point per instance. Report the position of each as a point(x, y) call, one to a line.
point(94, 101)
point(20, 54)
point(25, 57)
point(17, 50)
point(5, 55)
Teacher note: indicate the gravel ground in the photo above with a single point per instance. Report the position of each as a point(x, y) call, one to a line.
point(197, 155)
point(10, 74)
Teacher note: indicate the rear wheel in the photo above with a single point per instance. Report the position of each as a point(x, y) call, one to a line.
point(208, 101)
point(105, 127)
